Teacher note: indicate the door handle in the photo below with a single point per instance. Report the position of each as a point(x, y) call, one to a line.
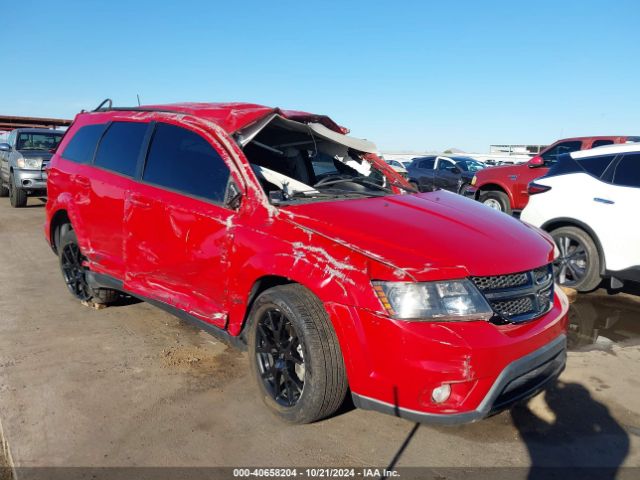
point(140, 202)
point(603, 200)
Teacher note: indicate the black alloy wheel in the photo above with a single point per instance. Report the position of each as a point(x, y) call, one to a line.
point(280, 357)
point(74, 271)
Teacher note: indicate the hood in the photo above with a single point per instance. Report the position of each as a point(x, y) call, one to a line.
point(44, 155)
point(428, 234)
point(502, 171)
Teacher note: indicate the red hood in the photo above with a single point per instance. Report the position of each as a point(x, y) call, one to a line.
point(428, 232)
point(235, 116)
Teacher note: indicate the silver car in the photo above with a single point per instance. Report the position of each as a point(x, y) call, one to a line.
point(23, 162)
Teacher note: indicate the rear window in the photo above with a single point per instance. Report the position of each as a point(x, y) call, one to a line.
point(628, 171)
point(600, 143)
point(120, 147)
point(82, 146)
point(596, 166)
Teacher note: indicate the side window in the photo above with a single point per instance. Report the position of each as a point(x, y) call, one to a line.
point(551, 155)
point(596, 166)
point(600, 143)
point(12, 139)
point(428, 163)
point(182, 160)
point(445, 165)
point(82, 146)
point(628, 171)
point(120, 146)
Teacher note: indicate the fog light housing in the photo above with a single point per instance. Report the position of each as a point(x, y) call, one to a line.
point(441, 394)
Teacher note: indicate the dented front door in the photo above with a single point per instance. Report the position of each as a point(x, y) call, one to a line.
point(178, 231)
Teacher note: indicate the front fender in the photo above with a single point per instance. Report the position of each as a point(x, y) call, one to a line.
point(332, 272)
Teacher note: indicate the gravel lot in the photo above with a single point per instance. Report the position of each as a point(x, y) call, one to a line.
point(132, 386)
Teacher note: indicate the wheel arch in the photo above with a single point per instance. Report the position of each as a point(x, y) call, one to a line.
point(260, 285)
point(555, 223)
point(488, 187)
point(60, 218)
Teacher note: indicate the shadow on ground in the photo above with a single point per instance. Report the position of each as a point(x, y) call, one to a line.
point(582, 436)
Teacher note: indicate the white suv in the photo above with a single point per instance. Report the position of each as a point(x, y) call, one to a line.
point(590, 203)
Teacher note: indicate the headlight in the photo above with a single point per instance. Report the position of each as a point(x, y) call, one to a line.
point(473, 180)
point(455, 300)
point(31, 163)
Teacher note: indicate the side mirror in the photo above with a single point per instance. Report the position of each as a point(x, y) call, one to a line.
point(536, 162)
point(5, 147)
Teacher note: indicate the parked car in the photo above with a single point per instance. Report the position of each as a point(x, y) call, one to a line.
point(505, 188)
point(453, 173)
point(588, 202)
point(398, 167)
point(274, 230)
point(23, 161)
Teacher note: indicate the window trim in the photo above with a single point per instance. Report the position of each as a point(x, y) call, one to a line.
point(145, 158)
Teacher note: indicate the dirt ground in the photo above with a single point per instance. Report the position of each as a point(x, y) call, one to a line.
point(131, 386)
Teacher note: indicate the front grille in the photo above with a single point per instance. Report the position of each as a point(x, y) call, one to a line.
point(519, 297)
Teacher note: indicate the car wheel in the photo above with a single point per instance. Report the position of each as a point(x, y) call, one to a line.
point(4, 191)
point(17, 196)
point(578, 262)
point(295, 356)
point(74, 272)
point(497, 201)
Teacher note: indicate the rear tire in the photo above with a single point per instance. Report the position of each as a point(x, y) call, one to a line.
point(496, 200)
point(295, 356)
point(578, 264)
point(17, 196)
point(4, 191)
point(75, 273)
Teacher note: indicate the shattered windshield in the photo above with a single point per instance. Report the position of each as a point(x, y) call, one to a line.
point(294, 163)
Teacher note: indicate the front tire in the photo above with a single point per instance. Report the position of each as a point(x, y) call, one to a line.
point(578, 263)
point(496, 200)
point(17, 196)
point(74, 273)
point(295, 356)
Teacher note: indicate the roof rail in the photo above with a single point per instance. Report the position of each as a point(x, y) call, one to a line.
point(100, 107)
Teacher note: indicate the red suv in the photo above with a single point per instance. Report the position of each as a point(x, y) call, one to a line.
point(505, 188)
point(276, 231)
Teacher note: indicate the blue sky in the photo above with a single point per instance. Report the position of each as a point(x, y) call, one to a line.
point(408, 75)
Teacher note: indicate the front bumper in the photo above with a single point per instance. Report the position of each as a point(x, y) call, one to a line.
point(30, 179)
point(520, 380)
point(393, 365)
point(471, 192)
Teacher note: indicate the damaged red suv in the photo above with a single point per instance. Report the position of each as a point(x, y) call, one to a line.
point(277, 231)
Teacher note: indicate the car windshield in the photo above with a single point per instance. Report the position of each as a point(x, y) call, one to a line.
point(38, 141)
point(469, 165)
point(295, 163)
